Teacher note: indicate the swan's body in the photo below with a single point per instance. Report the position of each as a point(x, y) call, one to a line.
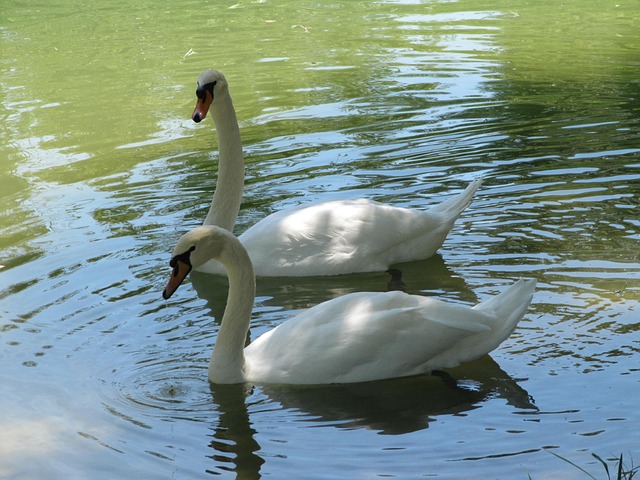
point(328, 238)
point(354, 338)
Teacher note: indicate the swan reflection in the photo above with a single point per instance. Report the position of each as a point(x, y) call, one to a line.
point(234, 445)
point(426, 277)
point(390, 407)
point(403, 405)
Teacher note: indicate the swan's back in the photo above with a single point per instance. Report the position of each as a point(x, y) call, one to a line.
point(346, 236)
point(336, 237)
point(372, 336)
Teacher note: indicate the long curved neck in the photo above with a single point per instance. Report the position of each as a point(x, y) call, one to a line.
point(227, 359)
point(228, 195)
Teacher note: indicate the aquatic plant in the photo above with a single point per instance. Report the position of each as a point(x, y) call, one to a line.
point(622, 471)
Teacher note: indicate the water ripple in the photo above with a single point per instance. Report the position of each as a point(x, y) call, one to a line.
point(161, 387)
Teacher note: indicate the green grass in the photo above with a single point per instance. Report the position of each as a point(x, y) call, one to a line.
point(621, 470)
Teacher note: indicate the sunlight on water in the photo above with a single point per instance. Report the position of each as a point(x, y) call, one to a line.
point(404, 102)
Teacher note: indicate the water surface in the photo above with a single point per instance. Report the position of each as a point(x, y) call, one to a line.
point(101, 170)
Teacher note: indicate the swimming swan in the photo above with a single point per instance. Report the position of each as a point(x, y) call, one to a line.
point(357, 337)
point(327, 238)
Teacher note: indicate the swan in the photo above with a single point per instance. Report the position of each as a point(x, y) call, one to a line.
point(327, 238)
point(357, 337)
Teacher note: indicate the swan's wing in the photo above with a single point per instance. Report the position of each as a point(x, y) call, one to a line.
point(362, 337)
point(345, 236)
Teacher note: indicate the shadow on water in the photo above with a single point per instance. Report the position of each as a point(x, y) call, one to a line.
point(430, 277)
point(390, 407)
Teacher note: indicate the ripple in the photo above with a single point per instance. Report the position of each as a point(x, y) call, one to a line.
point(159, 388)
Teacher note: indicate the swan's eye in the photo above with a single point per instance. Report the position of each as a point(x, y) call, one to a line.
point(184, 258)
point(174, 264)
point(201, 90)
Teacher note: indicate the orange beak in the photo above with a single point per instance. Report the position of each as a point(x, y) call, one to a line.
point(180, 271)
point(202, 107)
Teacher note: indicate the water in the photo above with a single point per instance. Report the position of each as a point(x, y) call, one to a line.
point(101, 170)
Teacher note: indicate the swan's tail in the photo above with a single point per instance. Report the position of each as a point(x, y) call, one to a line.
point(455, 205)
point(513, 301)
point(508, 308)
point(503, 312)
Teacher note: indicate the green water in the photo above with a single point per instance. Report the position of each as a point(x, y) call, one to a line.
point(101, 170)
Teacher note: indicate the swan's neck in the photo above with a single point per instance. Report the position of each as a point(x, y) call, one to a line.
point(227, 359)
point(228, 195)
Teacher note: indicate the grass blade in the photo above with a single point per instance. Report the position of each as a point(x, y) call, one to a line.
point(573, 464)
point(604, 464)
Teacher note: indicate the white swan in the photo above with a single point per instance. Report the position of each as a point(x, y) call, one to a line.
point(357, 337)
point(329, 238)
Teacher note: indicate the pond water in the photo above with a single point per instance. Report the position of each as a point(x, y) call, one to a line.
point(402, 101)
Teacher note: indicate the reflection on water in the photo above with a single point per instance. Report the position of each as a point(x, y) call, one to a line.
point(430, 277)
point(102, 169)
point(405, 405)
point(392, 407)
point(233, 438)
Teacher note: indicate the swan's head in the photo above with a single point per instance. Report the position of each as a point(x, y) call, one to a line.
point(193, 250)
point(211, 85)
